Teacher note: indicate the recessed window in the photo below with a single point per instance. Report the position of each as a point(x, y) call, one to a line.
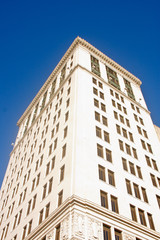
point(133, 213)
point(101, 171)
point(99, 150)
point(104, 199)
point(114, 204)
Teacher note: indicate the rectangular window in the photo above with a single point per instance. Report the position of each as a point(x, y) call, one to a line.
point(124, 162)
point(148, 161)
point(44, 191)
point(153, 180)
point(114, 204)
point(149, 148)
point(145, 198)
point(128, 186)
point(118, 129)
point(132, 169)
point(95, 91)
point(106, 137)
point(95, 66)
point(98, 132)
point(62, 173)
point(96, 103)
point(112, 77)
point(103, 107)
point(143, 144)
point(104, 121)
point(104, 199)
point(121, 145)
point(65, 132)
point(133, 213)
point(142, 217)
point(60, 197)
point(154, 165)
point(57, 237)
point(108, 155)
point(158, 200)
point(121, 119)
point(150, 219)
point(136, 190)
point(131, 137)
point(128, 150)
point(40, 216)
point(50, 185)
point(29, 227)
point(134, 153)
point(129, 90)
point(101, 171)
point(124, 133)
point(24, 232)
point(99, 150)
point(111, 180)
point(47, 210)
point(64, 151)
point(118, 235)
point(115, 115)
point(101, 95)
point(94, 81)
point(106, 233)
point(139, 172)
point(97, 116)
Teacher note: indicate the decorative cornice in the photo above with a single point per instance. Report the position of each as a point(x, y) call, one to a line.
point(77, 41)
point(75, 202)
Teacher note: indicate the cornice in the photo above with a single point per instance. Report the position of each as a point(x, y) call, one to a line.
point(77, 41)
point(75, 203)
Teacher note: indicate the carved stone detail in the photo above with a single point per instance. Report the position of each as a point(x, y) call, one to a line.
point(94, 229)
point(50, 235)
point(65, 225)
point(128, 237)
point(78, 225)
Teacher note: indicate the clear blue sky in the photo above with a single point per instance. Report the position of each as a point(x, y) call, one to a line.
point(34, 35)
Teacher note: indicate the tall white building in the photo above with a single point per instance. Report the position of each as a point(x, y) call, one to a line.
point(86, 160)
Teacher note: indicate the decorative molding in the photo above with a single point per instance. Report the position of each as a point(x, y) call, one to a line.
point(126, 236)
point(78, 225)
point(76, 42)
point(94, 229)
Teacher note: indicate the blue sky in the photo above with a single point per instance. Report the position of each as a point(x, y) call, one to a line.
point(34, 35)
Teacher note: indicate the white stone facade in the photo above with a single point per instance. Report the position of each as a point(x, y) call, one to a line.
point(81, 138)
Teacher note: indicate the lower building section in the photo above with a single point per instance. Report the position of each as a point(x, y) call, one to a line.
point(79, 219)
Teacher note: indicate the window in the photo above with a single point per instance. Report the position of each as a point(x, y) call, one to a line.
point(118, 129)
point(100, 85)
point(134, 153)
point(34, 202)
point(55, 143)
point(50, 185)
point(112, 77)
point(64, 151)
point(101, 171)
point(40, 216)
point(150, 219)
point(121, 145)
point(94, 81)
point(113, 103)
point(133, 213)
point(111, 180)
point(153, 180)
point(119, 106)
point(149, 148)
point(132, 106)
point(97, 116)
point(124, 133)
point(96, 103)
point(114, 204)
point(103, 107)
point(66, 116)
point(117, 95)
point(124, 162)
point(143, 144)
point(24, 232)
point(62, 173)
point(128, 150)
point(95, 91)
point(132, 169)
point(148, 161)
point(136, 190)
point(104, 199)
point(104, 121)
point(145, 134)
point(145, 198)
point(154, 165)
point(29, 227)
point(115, 115)
point(111, 92)
point(158, 200)
point(127, 122)
point(60, 196)
point(139, 172)
point(98, 132)
point(101, 95)
point(128, 185)
point(121, 118)
point(124, 110)
point(95, 66)
point(106, 233)
point(47, 168)
point(44, 191)
point(57, 233)
point(108, 155)
point(106, 136)
point(29, 207)
point(47, 210)
point(131, 137)
point(142, 217)
point(50, 149)
point(139, 130)
point(141, 121)
point(65, 132)
point(118, 235)
point(99, 150)
point(135, 117)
